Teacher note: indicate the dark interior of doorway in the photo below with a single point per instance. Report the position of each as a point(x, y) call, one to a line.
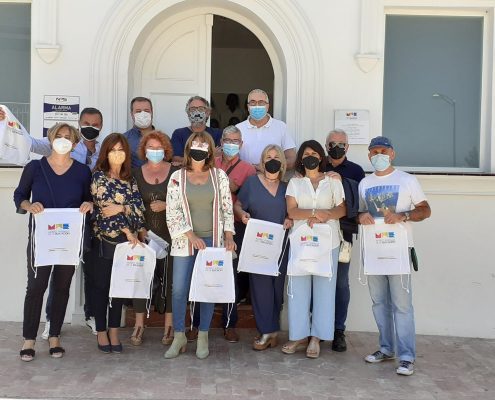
point(239, 63)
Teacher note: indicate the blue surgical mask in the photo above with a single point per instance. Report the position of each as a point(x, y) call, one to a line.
point(230, 149)
point(380, 162)
point(257, 112)
point(155, 156)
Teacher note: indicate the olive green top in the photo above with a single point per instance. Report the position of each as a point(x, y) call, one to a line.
point(200, 199)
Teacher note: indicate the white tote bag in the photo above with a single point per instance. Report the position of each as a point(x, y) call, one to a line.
point(213, 277)
point(311, 251)
point(132, 271)
point(261, 247)
point(15, 142)
point(58, 236)
point(385, 249)
point(158, 244)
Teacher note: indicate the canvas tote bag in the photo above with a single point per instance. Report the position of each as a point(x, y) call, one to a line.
point(15, 142)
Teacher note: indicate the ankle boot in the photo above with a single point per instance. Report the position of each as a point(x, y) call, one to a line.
point(178, 345)
point(202, 349)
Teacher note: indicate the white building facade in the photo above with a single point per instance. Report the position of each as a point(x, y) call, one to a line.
point(314, 57)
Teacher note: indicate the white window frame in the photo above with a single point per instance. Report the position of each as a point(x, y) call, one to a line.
point(487, 141)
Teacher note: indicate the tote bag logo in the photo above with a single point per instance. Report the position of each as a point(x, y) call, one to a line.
point(14, 125)
point(135, 261)
point(264, 237)
point(309, 240)
point(385, 237)
point(214, 265)
point(59, 229)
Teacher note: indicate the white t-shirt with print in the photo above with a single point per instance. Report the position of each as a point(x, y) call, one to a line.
point(256, 139)
point(328, 194)
point(396, 192)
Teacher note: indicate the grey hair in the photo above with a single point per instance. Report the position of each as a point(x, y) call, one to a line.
point(231, 129)
point(202, 99)
point(259, 91)
point(339, 132)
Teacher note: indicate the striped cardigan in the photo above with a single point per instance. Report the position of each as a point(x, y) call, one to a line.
point(179, 216)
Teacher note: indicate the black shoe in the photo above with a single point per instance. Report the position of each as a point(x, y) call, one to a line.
point(339, 343)
point(116, 348)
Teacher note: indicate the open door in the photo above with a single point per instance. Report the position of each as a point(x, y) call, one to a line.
point(172, 64)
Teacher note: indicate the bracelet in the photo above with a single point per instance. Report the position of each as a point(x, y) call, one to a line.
point(313, 212)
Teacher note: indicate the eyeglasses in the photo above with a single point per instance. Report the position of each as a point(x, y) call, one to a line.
point(232, 141)
point(200, 109)
point(253, 103)
point(337, 144)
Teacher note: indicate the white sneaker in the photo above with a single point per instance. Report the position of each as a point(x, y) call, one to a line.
point(90, 322)
point(46, 332)
point(405, 368)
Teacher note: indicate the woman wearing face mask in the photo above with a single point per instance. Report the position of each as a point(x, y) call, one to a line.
point(119, 215)
point(263, 197)
point(152, 180)
point(56, 181)
point(196, 193)
point(313, 198)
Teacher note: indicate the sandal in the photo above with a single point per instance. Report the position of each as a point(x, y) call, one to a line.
point(168, 337)
point(313, 350)
point(27, 354)
point(294, 345)
point(137, 336)
point(265, 341)
point(57, 352)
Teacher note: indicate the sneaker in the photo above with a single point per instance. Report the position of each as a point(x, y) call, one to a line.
point(46, 332)
point(405, 368)
point(90, 322)
point(377, 357)
point(231, 335)
point(339, 343)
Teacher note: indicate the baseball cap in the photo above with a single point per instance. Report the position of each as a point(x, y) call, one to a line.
point(380, 141)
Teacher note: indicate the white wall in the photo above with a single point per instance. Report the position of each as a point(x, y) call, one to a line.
point(454, 290)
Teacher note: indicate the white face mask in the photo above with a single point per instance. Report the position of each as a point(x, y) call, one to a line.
point(142, 119)
point(62, 145)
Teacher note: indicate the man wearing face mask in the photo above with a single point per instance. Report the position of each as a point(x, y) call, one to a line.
point(198, 111)
point(87, 150)
point(142, 117)
point(260, 129)
point(397, 197)
point(337, 145)
point(237, 171)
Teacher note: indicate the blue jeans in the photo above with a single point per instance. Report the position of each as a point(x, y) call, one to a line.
point(394, 315)
point(182, 273)
point(342, 295)
point(319, 291)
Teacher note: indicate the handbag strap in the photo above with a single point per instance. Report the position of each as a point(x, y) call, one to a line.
point(231, 168)
point(48, 183)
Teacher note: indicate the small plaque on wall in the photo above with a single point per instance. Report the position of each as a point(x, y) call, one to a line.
point(356, 123)
point(60, 109)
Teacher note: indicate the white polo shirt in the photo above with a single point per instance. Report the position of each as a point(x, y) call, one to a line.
point(256, 139)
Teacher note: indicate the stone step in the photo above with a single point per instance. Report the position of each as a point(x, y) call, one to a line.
point(244, 311)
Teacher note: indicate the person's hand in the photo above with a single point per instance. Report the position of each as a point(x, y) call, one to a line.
point(321, 216)
point(366, 219)
point(218, 151)
point(196, 241)
point(158, 206)
point(133, 239)
point(2, 114)
point(230, 244)
point(393, 218)
point(288, 223)
point(312, 221)
point(109, 210)
point(142, 234)
point(36, 208)
point(233, 186)
point(245, 218)
point(86, 207)
point(334, 175)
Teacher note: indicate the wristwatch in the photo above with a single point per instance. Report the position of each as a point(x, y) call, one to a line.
point(408, 216)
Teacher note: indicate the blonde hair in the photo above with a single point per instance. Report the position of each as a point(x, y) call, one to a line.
point(74, 136)
point(204, 137)
point(281, 156)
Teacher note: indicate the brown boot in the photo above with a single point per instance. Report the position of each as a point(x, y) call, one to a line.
point(231, 335)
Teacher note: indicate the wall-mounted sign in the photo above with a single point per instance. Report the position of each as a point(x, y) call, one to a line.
point(60, 109)
point(356, 123)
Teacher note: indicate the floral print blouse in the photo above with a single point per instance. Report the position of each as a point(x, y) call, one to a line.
point(107, 190)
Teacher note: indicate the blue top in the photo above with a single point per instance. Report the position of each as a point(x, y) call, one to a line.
point(180, 136)
point(70, 189)
point(348, 169)
point(134, 136)
point(259, 202)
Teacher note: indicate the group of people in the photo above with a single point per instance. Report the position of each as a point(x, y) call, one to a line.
point(199, 189)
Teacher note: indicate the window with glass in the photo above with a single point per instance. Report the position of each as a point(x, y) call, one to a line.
point(432, 90)
point(15, 59)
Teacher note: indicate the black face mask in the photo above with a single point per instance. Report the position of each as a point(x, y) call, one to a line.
point(89, 132)
point(273, 166)
point(198, 155)
point(310, 162)
point(336, 152)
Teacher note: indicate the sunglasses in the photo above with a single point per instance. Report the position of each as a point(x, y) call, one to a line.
point(337, 144)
